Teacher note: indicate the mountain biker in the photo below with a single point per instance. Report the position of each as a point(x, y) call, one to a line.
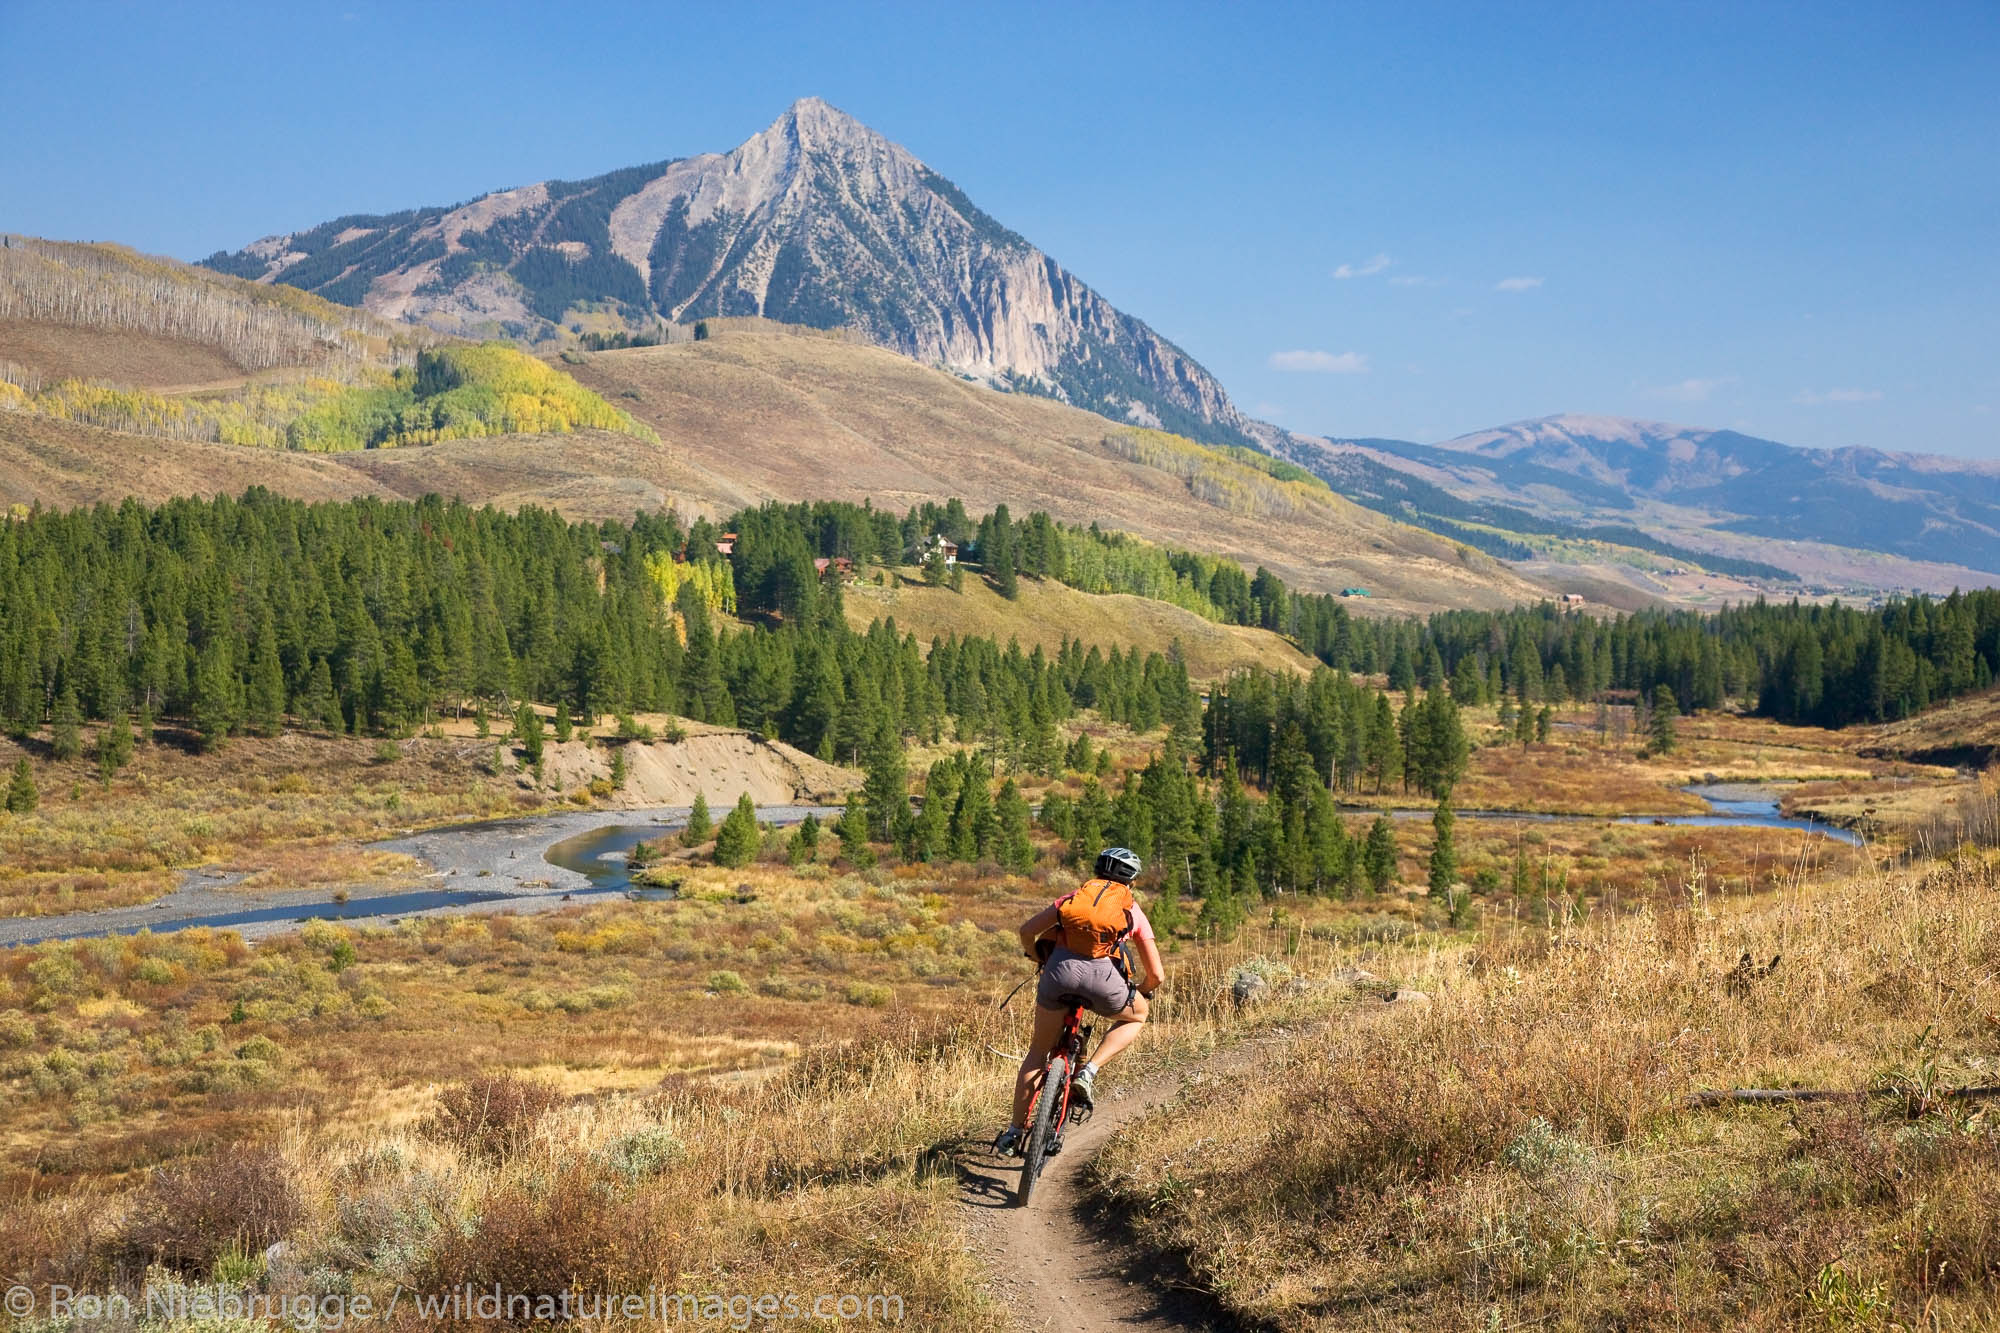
point(1082, 934)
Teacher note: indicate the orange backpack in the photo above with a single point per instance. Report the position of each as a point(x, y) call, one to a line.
point(1096, 917)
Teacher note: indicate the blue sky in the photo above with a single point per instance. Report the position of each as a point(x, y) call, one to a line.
point(1399, 220)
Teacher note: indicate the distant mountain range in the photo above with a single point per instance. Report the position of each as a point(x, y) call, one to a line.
point(818, 221)
point(1690, 491)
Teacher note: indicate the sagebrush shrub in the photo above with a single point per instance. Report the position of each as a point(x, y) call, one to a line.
point(491, 1117)
point(191, 1213)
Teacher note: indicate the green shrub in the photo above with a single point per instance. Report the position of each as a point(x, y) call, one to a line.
point(868, 994)
point(643, 1153)
point(262, 1048)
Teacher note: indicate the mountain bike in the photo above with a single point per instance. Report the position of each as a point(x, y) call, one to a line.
point(1051, 1112)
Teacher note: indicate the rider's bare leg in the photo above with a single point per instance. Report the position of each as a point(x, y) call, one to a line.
point(1048, 1030)
point(1126, 1025)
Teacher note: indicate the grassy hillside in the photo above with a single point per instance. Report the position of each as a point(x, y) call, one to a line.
point(1047, 612)
point(99, 336)
point(99, 345)
point(1521, 1151)
point(782, 416)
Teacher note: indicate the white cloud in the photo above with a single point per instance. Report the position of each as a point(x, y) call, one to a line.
point(1367, 270)
point(1837, 397)
point(1691, 390)
point(1517, 284)
point(1322, 363)
point(1415, 280)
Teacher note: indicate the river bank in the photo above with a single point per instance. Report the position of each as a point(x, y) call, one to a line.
point(492, 866)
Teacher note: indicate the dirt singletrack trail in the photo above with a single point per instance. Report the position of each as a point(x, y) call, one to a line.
point(1054, 1267)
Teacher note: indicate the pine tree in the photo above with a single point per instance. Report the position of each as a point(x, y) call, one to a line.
point(565, 729)
point(1378, 856)
point(804, 844)
point(399, 698)
point(215, 702)
point(264, 702)
point(972, 825)
point(853, 833)
point(114, 745)
point(1005, 580)
point(1467, 685)
point(67, 729)
point(21, 794)
point(1221, 914)
point(1444, 852)
point(1665, 710)
point(736, 841)
point(619, 769)
point(318, 704)
point(887, 785)
point(700, 823)
point(528, 726)
point(1058, 815)
point(1166, 914)
point(1017, 850)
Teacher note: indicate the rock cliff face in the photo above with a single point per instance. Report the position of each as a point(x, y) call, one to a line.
point(818, 221)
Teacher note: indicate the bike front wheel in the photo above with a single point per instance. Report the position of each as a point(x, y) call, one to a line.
point(1043, 1126)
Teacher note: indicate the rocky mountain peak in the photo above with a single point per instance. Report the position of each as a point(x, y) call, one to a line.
point(815, 220)
point(811, 120)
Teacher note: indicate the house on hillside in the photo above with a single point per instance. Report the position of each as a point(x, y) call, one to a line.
point(842, 567)
point(1354, 592)
point(944, 544)
point(1572, 601)
point(727, 546)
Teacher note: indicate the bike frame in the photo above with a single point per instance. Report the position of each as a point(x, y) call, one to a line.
point(1045, 1133)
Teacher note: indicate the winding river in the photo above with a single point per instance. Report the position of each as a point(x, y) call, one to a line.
point(1730, 805)
point(530, 864)
point(543, 861)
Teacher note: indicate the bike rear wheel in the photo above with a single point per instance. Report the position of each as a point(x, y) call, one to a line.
point(1043, 1126)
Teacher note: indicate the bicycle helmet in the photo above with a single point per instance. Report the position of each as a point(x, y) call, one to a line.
point(1118, 863)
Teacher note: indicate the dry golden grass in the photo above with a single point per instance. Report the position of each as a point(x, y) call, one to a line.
point(1046, 613)
point(1572, 774)
point(1521, 1154)
point(783, 416)
point(677, 1125)
point(1963, 731)
point(288, 809)
point(117, 356)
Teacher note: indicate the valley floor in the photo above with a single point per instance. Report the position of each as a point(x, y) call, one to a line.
point(782, 1078)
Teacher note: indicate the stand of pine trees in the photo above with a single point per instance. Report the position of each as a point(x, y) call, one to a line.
point(368, 616)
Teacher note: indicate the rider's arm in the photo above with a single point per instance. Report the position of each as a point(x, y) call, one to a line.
point(1149, 958)
point(1036, 926)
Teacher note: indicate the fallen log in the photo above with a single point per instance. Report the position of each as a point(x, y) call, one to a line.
point(1724, 1096)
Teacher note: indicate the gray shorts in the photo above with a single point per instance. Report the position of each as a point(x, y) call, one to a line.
point(1094, 983)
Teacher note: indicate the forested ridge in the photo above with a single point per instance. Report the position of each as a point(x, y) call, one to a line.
point(374, 616)
point(1829, 665)
point(369, 615)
